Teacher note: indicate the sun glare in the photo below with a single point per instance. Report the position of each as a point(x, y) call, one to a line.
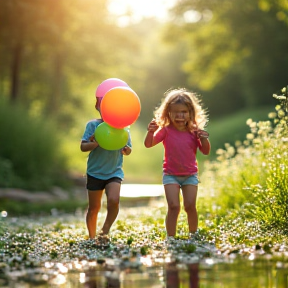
point(135, 10)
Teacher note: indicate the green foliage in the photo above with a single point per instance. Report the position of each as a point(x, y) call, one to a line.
point(3, 228)
point(221, 55)
point(250, 181)
point(129, 241)
point(46, 67)
point(190, 248)
point(30, 150)
point(143, 165)
point(144, 250)
point(7, 174)
point(232, 128)
point(226, 44)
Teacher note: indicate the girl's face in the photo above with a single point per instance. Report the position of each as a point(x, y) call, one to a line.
point(179, 116)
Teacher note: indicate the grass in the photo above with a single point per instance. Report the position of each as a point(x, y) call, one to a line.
point(247, 185)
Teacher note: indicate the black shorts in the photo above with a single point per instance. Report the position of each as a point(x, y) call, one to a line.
point(99, 184)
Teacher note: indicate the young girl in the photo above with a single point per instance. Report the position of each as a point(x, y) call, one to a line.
point(179, 124)
point(104, 172)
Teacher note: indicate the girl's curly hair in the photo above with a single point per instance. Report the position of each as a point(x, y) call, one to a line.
point(198, 115)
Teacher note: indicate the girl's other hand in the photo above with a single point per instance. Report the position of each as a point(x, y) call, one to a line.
point(202, 134)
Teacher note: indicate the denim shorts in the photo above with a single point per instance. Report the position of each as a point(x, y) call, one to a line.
point(94, 184)
point(181, 180)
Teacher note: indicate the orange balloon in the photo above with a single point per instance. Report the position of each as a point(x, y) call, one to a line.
point(120, 107)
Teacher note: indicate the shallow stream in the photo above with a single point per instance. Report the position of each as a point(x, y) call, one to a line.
point(227, 273)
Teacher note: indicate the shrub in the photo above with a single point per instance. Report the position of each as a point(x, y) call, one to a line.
point(30, 156)
point(250, 180)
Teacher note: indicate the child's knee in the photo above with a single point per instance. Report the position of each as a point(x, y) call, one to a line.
point(113, 202)
point(189, 207)
point(94, 209)
point(174, 208)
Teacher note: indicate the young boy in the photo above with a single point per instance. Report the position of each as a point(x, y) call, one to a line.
point(104, 172)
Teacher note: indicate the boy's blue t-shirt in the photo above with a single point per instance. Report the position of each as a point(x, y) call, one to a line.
point(103, 164)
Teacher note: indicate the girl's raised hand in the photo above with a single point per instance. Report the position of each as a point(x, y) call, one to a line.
point(152, 126)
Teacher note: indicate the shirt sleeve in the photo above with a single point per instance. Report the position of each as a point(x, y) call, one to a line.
point(129, 143)
point(89, 131)
point(160, 135)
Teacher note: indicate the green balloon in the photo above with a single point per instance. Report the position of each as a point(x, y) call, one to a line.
point(111, 138)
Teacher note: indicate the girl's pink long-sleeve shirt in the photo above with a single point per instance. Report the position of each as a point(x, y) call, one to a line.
point(180, 149)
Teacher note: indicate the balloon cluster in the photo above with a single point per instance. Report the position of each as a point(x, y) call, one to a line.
point(120, 107)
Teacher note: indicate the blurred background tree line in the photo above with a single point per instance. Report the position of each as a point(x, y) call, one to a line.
point(53, 54)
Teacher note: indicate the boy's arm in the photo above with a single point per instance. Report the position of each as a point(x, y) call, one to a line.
point(86, 146)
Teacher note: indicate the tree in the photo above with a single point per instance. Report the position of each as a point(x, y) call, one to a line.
point(237, 55)
point(50, 50)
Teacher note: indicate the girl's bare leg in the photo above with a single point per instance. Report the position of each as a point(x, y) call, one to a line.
point(189, 193)
point(172, 196)
point(94, 206)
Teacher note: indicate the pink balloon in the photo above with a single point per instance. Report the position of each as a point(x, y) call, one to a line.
point(108, 84)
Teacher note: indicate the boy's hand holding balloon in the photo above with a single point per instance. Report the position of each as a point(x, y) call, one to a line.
point(126, 150)
point(92, 138)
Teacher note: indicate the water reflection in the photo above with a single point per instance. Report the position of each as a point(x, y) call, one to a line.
point(174, 280)
point(242, 273)
point(92, 280)
point(169, 276)
point(230, 273)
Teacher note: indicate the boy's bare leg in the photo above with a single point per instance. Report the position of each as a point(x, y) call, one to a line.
point(113, 199)
point(94, 198)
